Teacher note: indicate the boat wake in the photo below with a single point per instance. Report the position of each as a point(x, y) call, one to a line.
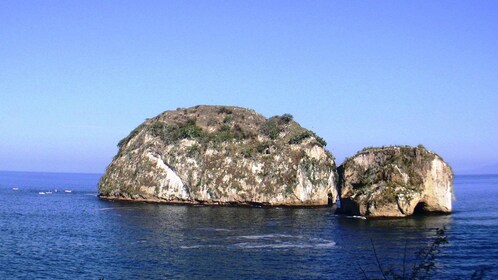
point(267, 242)
point(356, 217)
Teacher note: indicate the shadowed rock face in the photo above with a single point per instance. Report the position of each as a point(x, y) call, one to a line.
point(395, 182)
point(221, 155)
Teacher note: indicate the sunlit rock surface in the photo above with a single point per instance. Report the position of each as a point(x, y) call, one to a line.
point(395, 181)
point(221, 155)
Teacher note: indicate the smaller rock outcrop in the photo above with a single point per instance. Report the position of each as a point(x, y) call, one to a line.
point(395, 181)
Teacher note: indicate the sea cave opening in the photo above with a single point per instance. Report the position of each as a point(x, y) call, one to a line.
point(420, 208)
point(330, 201)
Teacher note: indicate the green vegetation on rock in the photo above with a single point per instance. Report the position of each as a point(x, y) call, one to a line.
point(299, 138)
point(172, 133)
point(270, 128)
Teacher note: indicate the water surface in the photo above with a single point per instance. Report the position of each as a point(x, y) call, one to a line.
point(77, 236)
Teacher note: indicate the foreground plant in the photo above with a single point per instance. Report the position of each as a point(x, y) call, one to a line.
point(422, 266)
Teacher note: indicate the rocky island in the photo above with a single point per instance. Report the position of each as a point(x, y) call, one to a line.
point(221, 155)
point(395, 181)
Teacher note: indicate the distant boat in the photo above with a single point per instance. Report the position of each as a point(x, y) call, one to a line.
point(68, 191)
point(48, 192)
point(15, 189)
point(41, 192)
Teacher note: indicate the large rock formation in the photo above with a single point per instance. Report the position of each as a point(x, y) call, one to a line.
point(395, 182)
point(221, 155)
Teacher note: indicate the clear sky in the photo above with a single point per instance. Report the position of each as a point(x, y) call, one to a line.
point(77, 76)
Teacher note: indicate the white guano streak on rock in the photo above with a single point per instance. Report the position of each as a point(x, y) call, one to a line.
point(404, 176)
point(171, 186)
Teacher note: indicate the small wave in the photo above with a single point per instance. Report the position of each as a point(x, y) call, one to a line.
point(114, 208)
point(191, 247)
point(285, 245)
point(216, 229)
point(221, 229)
point(281, 241)
point(277, 246)
point(356, 217)
point(201, 246)
point(105, 209)
point(267, 236)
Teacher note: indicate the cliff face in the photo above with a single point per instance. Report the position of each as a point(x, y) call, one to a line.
point(395, 182)
point(221, 155)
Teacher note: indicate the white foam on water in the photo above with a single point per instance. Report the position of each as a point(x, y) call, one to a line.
point(104, 209)
point(284, 245)
point(201, 246)
point(281, 241)
point(215, 229)
point(191, 247)
point(356, 217)
point(222, 229)
point(113, 208)
point(268, 236)
point(313, 243)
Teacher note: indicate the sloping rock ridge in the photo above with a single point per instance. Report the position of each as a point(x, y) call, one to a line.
point(395, 181)
point(221, 155)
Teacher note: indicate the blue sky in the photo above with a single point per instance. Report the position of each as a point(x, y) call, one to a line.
point(77, 76)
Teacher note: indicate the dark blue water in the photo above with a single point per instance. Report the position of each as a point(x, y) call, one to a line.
point(77, 236)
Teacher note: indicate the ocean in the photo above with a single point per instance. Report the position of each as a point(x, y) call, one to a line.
point(74, 235)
